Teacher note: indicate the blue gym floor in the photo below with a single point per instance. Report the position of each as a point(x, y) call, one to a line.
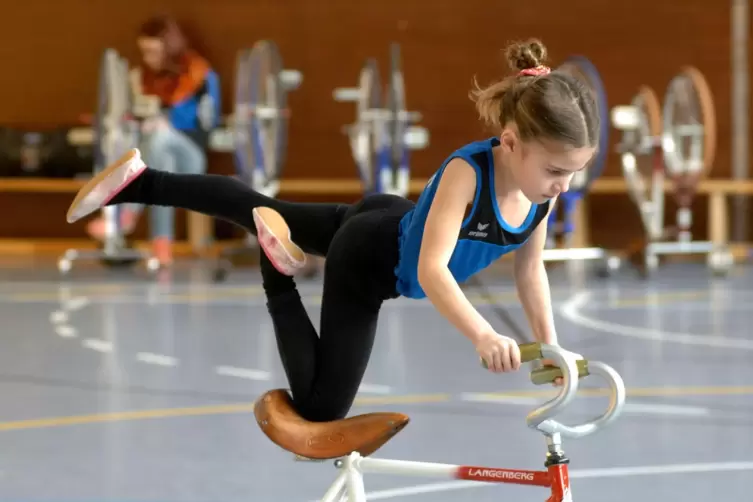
point(120, 387)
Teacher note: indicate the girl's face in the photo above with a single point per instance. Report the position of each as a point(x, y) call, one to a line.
point(543, 170)
point(152, 52)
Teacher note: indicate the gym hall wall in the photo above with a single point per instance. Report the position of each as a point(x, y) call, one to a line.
point(51, 71)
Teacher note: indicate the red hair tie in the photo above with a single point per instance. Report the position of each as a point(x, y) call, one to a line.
point(537, 71)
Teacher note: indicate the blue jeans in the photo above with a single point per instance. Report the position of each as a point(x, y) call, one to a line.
point(167, 149)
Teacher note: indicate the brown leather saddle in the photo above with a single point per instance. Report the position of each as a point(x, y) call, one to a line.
point(324, 440)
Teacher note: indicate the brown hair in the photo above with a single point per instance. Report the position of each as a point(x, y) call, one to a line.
point(556, 106)
point(166, 29)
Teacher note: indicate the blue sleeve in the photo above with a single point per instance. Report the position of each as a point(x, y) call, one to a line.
point(191, 113)
point(213, 89)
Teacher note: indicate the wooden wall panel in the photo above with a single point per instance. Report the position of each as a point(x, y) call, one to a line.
point(51, 51)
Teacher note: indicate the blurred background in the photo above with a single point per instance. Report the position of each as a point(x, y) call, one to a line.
point(53, 76)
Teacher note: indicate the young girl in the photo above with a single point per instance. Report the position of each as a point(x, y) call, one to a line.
point(386, 246)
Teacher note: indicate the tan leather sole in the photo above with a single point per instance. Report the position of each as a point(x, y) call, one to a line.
point(277, 225)
point(97, 179)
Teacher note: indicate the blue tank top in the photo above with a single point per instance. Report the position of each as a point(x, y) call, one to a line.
point(484, 236)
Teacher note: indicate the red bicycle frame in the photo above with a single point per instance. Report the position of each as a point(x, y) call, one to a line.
point(556, 478)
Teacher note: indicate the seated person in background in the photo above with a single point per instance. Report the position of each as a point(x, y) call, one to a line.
point(176, 139)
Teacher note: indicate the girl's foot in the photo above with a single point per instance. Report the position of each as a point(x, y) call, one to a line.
point(273, 235)
point(105, 185)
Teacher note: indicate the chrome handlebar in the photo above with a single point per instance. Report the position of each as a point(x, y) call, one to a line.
point(570, 369)
point(542, 419)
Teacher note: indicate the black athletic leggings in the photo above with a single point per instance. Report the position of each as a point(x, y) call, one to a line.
point(360, 244)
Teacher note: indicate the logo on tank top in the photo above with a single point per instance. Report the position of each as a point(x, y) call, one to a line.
point(481, 230)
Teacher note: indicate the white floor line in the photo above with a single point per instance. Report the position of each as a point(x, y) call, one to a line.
point(76, 303)
point(665, 409)
point(156, 359)
point(373, 388)
point(637, 408)
point(679, 307)
point(247, 373)
point(607, 472)
point(481, 397)
point(570, 310)
point(98, 345)
point(66, 331)
point(59, 317)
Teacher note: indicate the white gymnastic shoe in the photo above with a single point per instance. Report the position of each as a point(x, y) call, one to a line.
point(274, 239)
point(105, 185)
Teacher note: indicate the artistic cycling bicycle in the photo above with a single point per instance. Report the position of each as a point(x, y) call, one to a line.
point(351, 441)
